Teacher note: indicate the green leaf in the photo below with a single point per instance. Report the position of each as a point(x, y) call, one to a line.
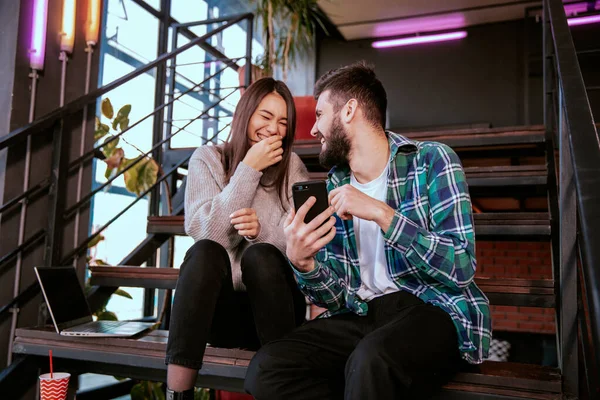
point(122, 118)
point(100, 262)
point(146, 390)
point(116, 158)
point(109, 172)
point(124, 124)
point(99, 134)
point(124, 111)
point(141, 176)
point(137, 391)
point(101, 308)
point(101, 130)
point(131, 175)
point(108, 148)
point(107, 316)
point(122, 293)
point(107, 108)
point(157, 391)
point(95, 241)
point(202, 394)
point(114, 162)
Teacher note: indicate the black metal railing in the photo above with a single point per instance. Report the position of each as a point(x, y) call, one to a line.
point(42, 124)
point(567, 115)
point(54, 185)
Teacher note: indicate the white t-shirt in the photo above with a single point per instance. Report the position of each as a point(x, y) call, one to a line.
point(369, 239)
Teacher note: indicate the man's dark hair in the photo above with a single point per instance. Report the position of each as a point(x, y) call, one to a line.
point(355, 81)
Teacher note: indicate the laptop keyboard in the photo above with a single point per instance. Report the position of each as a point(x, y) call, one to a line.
point(100, 326)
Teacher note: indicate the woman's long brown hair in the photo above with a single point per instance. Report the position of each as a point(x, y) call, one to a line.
point(238, 145)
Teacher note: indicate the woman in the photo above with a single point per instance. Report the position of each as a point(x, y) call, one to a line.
point(236, 288)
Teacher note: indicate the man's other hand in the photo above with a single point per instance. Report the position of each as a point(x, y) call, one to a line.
point(349, 202)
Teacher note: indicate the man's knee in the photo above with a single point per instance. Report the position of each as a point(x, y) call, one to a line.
point(365, 355)
point(261, 376)
point(371, 358)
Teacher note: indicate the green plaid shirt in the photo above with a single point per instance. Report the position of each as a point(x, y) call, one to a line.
point(430, 245)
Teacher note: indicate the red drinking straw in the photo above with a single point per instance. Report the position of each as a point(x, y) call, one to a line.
point(51, 369)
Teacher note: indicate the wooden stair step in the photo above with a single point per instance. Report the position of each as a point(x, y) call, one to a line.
point(518, 292)
point(486, 137)
point(486, 224)
point(479, 138)
point(171, 224)
point(504, 292)
point(510, 379)
point(512, 175)
point(143, 357)
point(507, 225)
point(142, 277)
point(468, 131)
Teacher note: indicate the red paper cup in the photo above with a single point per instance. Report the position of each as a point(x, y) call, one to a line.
point(54, 388)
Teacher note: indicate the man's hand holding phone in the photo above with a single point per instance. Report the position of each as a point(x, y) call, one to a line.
point(304, 240)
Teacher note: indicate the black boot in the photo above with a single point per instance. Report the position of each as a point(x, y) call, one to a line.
point(185, 395)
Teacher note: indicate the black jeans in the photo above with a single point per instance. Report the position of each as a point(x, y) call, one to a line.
point(206, 309)
point(403, 349)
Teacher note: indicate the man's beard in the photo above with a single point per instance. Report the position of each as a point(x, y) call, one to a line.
point(338, 147)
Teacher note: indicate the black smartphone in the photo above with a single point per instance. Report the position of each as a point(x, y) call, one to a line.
point(301, 191)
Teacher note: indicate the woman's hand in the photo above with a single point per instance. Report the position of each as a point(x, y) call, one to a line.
point(245, 221)
point(265, 153)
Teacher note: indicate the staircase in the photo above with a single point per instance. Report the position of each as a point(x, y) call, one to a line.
point(521, 181)
point(517, 194)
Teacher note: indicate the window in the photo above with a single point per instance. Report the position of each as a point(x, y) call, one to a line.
point(130, 40)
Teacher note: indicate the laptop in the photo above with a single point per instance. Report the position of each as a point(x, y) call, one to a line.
point(69, 308)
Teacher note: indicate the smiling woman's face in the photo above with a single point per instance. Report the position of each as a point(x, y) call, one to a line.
point(269, 118)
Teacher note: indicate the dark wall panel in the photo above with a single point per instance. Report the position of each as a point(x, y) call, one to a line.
point(9, 22)
point(492, 76)
point(47, 101)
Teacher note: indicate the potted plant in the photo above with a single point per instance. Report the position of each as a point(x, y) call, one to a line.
point(288, 28)
point(288, 31)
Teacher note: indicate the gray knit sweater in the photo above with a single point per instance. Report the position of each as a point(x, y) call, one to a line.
point(209, 203)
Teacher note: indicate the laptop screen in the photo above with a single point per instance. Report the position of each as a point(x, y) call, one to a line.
point(64, 295)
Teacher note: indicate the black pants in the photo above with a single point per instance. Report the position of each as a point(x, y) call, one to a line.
point(207, 309)
point(403, 349)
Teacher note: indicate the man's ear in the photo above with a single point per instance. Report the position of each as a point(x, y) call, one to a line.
point(349, 111)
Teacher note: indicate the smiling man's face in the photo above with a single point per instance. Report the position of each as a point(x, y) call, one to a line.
point(328, 128)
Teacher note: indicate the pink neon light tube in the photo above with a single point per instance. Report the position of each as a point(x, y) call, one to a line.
point(590, 19)
point(407, 41)
point(37, 50)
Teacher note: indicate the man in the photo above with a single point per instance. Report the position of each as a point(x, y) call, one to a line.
point(394, 268)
